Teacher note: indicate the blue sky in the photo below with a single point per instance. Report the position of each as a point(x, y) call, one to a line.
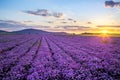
point(29, 14)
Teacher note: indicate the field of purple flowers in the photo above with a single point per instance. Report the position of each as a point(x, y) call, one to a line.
point(59, 57)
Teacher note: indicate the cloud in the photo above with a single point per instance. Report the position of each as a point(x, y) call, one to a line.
point(28, 21)
point(69, 19)
point(9, 21)
point(49, 22)
point(14, 25)
point(42, 27)
point(74, 21)
point(61, 19)
point(89, 22)
point(112, 26)
point(7, 25)
point(64, 22)
point(45, 13)
point(11, 24)
point(112, 3)
point(72, 27)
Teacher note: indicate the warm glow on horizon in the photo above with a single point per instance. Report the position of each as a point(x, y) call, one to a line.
point(104, 31)
point(105, 34)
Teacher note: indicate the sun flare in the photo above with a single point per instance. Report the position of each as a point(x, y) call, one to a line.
point(104, 31)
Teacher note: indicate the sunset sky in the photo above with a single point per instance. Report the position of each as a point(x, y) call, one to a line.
point(73, 16)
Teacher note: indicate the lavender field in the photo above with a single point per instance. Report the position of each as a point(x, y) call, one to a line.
point(59, 57)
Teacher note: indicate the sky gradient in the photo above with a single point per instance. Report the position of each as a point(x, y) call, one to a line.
point(74, 16)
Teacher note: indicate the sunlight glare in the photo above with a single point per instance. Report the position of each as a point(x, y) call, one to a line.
point(104, 31)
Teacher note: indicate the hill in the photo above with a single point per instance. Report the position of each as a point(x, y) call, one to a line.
point(32, 31)
point(3, 32)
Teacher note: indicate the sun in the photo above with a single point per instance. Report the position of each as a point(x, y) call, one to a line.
point(104, 31)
